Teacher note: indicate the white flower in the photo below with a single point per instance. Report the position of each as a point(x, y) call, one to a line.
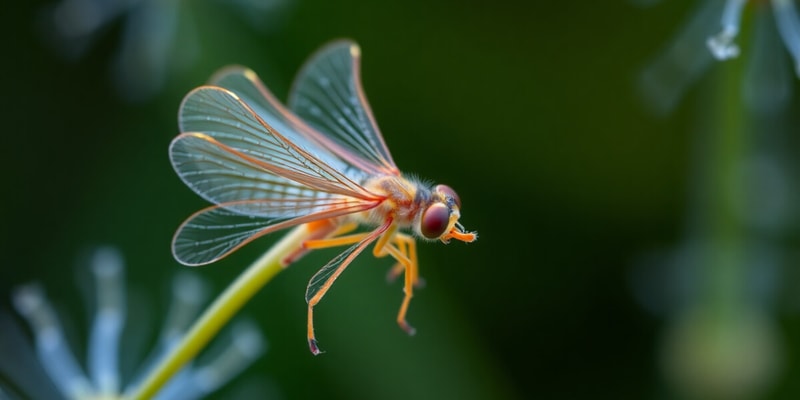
point(102, 378)
point(712, 33)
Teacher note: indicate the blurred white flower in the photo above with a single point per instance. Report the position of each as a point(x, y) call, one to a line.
point(102, 378)
point(712, 33)
point(158, 36)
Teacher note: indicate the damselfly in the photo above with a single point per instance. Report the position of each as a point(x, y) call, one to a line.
point(321, 162)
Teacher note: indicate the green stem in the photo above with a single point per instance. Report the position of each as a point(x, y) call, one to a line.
point(727, 234)
point(220, 312)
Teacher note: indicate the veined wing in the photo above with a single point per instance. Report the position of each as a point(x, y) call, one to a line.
point(327, 94)
point(251, 201)
point(221, 175)
point(231, 153)
point(216, 231)
point(245, 83)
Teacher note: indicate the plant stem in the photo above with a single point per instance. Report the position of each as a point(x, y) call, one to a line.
point(727, 232)
point(220, 312)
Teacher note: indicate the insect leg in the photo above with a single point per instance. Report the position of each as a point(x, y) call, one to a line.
point(405, 252)
point(397, 268)
point(334, 241)
point(316, 230)
point(322, 280)
point(408, 246)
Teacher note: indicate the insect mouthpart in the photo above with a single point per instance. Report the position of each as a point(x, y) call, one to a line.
point(459, 233)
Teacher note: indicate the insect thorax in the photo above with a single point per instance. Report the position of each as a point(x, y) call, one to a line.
point(405, 200)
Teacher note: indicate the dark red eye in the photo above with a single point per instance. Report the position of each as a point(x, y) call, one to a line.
point(435, 220)
point(449, 192)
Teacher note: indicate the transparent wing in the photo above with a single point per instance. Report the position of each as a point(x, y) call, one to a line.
point(215, 232)
point(240, 145)
point(327, 94)
point(245, 83)
point(222, 176)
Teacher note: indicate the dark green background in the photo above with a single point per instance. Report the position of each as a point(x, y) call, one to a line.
point(527, 109)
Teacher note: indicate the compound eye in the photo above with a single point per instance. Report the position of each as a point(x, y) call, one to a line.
point(449, 192)
point(435, 220)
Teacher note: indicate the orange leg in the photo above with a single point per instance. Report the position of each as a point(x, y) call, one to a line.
point(399, 246)
point(316, 230)
point(397, 268)
point(334, 241)
point(408, 246)
point(405, 252)
point(322, 280)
